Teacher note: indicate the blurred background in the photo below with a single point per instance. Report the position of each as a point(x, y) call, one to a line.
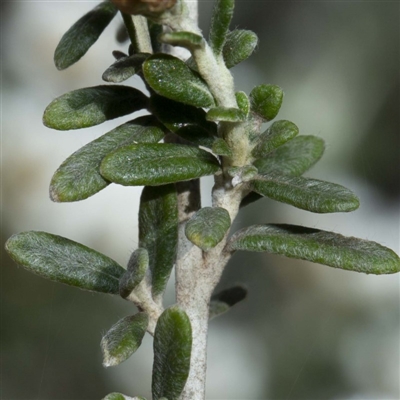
point(305, 331)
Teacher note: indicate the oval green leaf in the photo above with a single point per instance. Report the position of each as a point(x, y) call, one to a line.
point(293, 158)
point(221, 148)
point(318, 246)
point(136, 271)
point(172, 351)
point(243, 102)
point(308, 194)
point(91, 106)
point(220, 21)
point(158, 232)
point(189, 40)
point(63, 260)
point(239, 46)
point(83, 34)
point(208, 227)
point(197, 135)
point(225, 114)
point(123, 339)
point(79, 176)
point(275, 136)
point(172, 78)
point(266, 101)
point(124, 68)
point(157, 164)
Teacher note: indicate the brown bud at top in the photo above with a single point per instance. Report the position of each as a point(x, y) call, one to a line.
point(144, 7)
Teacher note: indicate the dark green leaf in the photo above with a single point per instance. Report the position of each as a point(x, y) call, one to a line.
point(243, 102)
point(208, 227)
point(172, 350)
point(137, 267)
point(293, 158)
point(92, 106)
point(83, 34)
point(197, 135)
point(63, 260)
point(308, 194)
point(221, 18)
point(188, 40)
point(172, 78)
point(221, 148)
point(157, 164)
point(239, 46)
point(79, 177)
point(176, 115)
point(123, 339)
point(124, 68)
point(225, 114)
point(318, 246)
point(276, 135)
point(158, 232)
point(221, 302)
point(266, 101)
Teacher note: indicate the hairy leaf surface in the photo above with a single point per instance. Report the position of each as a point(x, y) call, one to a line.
point(308, 194)
point(158, 232)
point(63, 260)
point(225, 114)
point(221, 19)
point(318, 246)
point(243, 102)
point(188, 40)
point(266, 101)
point(172, 78)
point(239, 46)
point(172, 351)
point(123, 339)
point(157, 164)
point(124, 68)
point(91, 106)
point(208, 227)
point(79, 176)
point(83, 34)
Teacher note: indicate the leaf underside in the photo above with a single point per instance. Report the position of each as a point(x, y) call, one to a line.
point(222, 301)
point(172, 351)
point(124, 68)
point(63, 260)
point(318, 246)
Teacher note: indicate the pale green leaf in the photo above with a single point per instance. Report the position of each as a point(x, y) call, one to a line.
point(120, 396)
point(266, 101)
point(91, 106)
point(124, 68)
point(225, 114)
point(239, 46)
point(157, 164)
point(158, 232)
point(172, 351)
point(221, 19)
point(318, 246)
point(79, 177)
point(188, 40)
point(123, 339)
point(208, 227)
point(172, 78)
point(63, 260)
point(308, 194)
point(221, 148)
point(243, 102)
point(83, 34)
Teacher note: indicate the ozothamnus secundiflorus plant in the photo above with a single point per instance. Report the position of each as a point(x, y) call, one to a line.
point(205, 128)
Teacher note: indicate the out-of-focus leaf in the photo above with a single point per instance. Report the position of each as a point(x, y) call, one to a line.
point(172, 78)
point(239, 46)
point(176, 115)
point(157, 164)
point(119, 54)
point(243, 102)
point(208, 227)
point(225, 114)
point(293, 158)
point(221, 18)
point(119, 396)
point(63, 260)
point(276, 135)
point(135, 273)
point(79, 177)
point(318, 246)
point(221, 148)
point(158, 232)
point(83, 34)
point(242, 174)
point(91, 106)
point(308, 194)
point(123, 339)
point(266, 101)
point(150, 8)
point(188, 40)
point(222, 301)
point(197, 135)
point(172, 351)
point(124, 68)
